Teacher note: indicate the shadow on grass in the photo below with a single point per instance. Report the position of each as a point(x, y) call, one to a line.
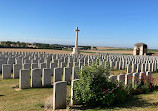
point(135, 102)
point(2, 95)
point(48, 86)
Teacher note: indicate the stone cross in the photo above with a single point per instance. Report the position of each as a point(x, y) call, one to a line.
point(76, 45)
point(75, 49)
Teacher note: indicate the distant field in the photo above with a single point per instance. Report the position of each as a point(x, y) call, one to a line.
point(111, 50)
point(52, 51)
point(117, 50)
point(49, 51)
point(86, 52)
point(152, 50)
point(102, 48)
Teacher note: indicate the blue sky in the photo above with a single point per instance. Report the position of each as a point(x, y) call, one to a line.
point(114, 23)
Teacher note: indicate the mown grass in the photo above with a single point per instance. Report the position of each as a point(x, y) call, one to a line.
point(128, 49)
point(119, 49)
point(25, 100)
point(32, 99)
point(86, 52)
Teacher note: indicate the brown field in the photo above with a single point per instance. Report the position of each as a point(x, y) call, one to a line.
point(49, 51)
point(52, 51)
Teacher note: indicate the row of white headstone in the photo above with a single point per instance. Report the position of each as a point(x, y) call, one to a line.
point(7, 68)
point(61, 65)
point(60, 74)
point(118, 63)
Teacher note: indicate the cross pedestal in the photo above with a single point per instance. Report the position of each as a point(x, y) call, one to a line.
point(76, 50)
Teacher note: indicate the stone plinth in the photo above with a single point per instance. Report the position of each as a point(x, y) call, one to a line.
point(76, 50)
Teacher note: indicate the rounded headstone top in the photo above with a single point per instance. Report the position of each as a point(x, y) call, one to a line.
point(140, 44)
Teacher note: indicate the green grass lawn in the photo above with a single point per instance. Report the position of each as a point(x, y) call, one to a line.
point(117, 49)
point(24, 100)
point(33, 99)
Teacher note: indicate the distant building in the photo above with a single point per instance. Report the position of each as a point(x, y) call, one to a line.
point(92, 48)
point(13, 45)
point(140, 49)
point(31, 45)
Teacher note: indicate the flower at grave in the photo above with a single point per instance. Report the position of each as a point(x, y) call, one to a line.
point(111, 91)
point(150, 86)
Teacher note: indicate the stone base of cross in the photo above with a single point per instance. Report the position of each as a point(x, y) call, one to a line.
point(76, 50)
